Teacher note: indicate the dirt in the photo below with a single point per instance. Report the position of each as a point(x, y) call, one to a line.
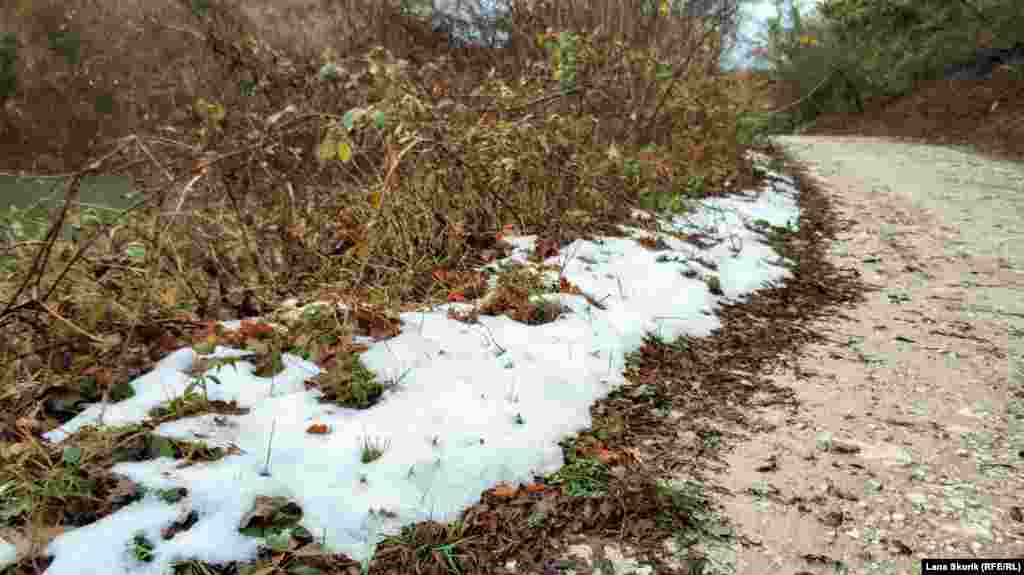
point(909, 442)
point(985, 114)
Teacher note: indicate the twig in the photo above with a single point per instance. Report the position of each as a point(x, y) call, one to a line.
point(70, 324)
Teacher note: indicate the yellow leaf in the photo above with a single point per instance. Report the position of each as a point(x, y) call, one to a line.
point(664, 8)
point(326, 150)
point(375, 199)
point(169, 296)
point(344, 151)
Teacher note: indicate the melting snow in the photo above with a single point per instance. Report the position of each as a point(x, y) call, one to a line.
point(451, 424)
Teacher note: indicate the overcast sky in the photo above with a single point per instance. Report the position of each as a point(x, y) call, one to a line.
point(758, 13)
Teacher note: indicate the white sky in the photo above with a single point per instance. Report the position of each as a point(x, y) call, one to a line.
point(497, 396)
point(758, 13)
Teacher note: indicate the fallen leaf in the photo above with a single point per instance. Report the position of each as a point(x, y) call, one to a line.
point(317, 429)
point(505, 491)
point(254, 330)
point(169, 296)
point(546, 248)
point(565, 286)
point(488, 120)
point(439, 89)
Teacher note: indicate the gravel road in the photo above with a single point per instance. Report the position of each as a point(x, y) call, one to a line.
point(909, 442)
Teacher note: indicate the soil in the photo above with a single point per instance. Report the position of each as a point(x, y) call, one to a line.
point(985, 114)
point(909, 442)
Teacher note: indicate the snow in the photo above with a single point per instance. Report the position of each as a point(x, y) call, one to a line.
point(453, 422)
point(7, 553)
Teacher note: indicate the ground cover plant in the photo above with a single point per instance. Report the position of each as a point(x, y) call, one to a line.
point(379, 189)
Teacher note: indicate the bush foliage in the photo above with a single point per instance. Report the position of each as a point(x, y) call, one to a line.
point(360, 177)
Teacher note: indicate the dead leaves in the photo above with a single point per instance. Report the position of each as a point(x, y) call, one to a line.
point(318, 429)
point(565, 286)
point(626, 456)
point(506, 491)
point(545, 248)
point(461, 285)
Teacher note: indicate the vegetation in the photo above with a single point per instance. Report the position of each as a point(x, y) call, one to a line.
point(380, 181)
point(834, 57)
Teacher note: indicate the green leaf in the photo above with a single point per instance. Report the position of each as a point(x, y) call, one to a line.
point(378, 119)
point(252, 531)
point(344, 151)
point(349, 119)
point(305, 570)
point(162, 447)
point(71, 455)
point(135, 251)
point(203, 348)
point(279, 541)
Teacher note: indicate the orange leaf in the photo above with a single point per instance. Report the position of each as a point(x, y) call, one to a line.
point(317, 429)
point(536, 488)
point(488, 119)
point(252, 329)
point(439, 89)
point(505, 491)
point(456, 296)
point(565, 286)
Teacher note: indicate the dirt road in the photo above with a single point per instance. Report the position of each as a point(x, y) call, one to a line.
point(910, 439)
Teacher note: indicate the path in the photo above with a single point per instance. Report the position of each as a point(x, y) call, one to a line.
point(910, 439)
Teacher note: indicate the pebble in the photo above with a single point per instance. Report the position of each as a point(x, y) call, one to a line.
point(917, 498)
point(898, 517)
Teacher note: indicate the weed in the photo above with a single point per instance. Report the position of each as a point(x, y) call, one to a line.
point(350, 384)
point(714, 285)
point(142, 548)
point(373, 450)
point(582, 477)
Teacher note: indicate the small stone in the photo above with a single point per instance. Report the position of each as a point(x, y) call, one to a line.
point(898, 517)
point(975, 546)
point(917, 498)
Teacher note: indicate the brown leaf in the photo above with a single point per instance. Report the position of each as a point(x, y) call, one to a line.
point(565, 286)
point(167, 343)
point(488, 520)
point(488, 120)
point(546, 248)
point(439, 89)
point(317, 429)
point(254, 330)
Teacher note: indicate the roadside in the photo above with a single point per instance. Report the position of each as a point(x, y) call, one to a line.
point(909, 442)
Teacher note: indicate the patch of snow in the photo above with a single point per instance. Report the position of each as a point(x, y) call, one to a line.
point(8, 554)
point(475, 405)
